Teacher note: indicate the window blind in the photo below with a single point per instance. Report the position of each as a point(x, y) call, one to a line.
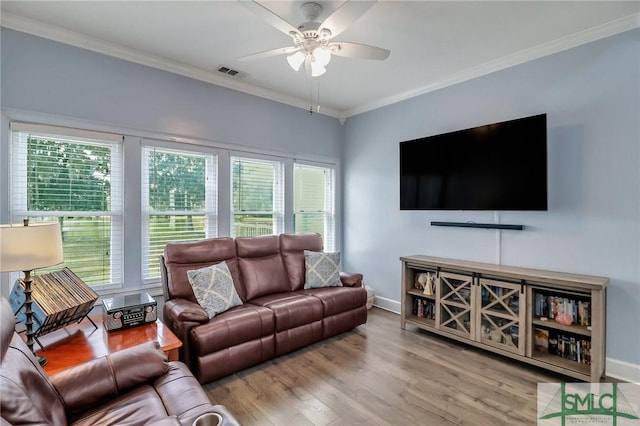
point(179, 194)
point(75, 178)
point(313, 202)
point(257, 197)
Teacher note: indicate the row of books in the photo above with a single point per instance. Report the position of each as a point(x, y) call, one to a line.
point(58, 297)
point(550, 306)
point(559, 343)
point(424, 308)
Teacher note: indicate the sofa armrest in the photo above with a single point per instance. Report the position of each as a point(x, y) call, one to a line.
point(181, 310)
point(108, 376)
point(181, 315)
point(350, 279)
point(167, 421)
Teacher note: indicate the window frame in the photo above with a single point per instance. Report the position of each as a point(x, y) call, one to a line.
point(210, 212)
point(18, 187)
point(279, 194)
point(329, 213)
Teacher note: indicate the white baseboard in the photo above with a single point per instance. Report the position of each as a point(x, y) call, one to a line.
point(616, 369)
point(387, 304)
point(622, 370)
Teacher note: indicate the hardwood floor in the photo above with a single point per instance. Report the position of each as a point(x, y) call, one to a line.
point(379, 374)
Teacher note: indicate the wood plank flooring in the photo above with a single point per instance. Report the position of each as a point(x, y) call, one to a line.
point(379, 374)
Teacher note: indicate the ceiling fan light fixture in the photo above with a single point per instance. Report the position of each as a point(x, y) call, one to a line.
point(296, 60)
point(312, 40)
point(317, 69)
point(321, 56)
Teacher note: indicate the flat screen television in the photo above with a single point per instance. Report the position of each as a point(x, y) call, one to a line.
point(501, 166)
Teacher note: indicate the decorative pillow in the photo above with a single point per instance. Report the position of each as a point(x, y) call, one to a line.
point(214, 289)
point(322, 269)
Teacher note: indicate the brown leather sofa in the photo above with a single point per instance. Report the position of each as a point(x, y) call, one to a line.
point(277, 315)
point(136, 386)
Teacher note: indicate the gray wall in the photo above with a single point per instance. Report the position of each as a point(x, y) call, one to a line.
point(44, 76)
point(52, 83)
point(591, 95)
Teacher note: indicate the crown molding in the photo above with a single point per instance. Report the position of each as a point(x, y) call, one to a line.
point(83, 41)
point(565, 43)
point(58, 34)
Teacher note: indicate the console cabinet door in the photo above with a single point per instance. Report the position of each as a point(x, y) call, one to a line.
point(455, 300)
point(501, 315)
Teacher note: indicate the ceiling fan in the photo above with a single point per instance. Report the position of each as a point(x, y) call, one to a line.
point(313, 45)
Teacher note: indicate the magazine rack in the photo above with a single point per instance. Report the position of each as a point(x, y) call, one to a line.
point(59, 298)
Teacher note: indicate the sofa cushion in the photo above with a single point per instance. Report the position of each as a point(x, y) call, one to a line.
point(86, 384)
point(233, 327)
point(214, 289)
point(322, 269)
point(338, 299)
point(291, 310)
point(141, 405)
point(292, 247)
point(185, 256)
point(261, 266)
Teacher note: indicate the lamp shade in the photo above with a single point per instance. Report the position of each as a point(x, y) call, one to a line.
point(317, 70)
point(321, 56)
point(296, 60)
point(25, 248)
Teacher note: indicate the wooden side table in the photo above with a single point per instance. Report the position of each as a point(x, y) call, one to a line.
point(82, 342)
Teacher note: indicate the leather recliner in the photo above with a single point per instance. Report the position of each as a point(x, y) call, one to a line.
point(277, 316)
point(135, 386)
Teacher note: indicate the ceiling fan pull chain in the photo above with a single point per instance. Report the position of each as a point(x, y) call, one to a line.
point(311, 98)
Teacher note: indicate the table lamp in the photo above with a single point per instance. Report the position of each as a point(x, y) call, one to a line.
point(27, 247)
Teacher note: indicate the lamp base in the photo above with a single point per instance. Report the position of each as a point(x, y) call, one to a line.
point(42, 360)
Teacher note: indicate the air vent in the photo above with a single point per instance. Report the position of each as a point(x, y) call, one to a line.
point(229, 71)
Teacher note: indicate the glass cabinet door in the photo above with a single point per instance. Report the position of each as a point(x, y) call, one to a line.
point(501, 315)
point(455, 300)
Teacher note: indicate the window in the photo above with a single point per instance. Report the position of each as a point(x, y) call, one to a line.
point(178, 199)
point(73, 177)
point(174, 191)
point(313, 202)
point(257, 194)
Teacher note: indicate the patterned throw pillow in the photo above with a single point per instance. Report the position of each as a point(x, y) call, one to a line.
point(322, 269)
point(214, 289)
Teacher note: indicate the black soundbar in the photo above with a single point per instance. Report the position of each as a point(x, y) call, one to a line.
point(479, 225)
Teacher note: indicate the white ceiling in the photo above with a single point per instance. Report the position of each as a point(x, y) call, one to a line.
point(433, 43)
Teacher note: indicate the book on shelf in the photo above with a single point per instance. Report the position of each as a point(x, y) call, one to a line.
point(550, 306)
point(561, 344)
point(553, 342)
point(541, 340)
point(424, 308)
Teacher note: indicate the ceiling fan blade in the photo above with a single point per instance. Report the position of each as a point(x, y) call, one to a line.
point(271, 18)
point(357, 50)
point(270, 53)
point(344, 16)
